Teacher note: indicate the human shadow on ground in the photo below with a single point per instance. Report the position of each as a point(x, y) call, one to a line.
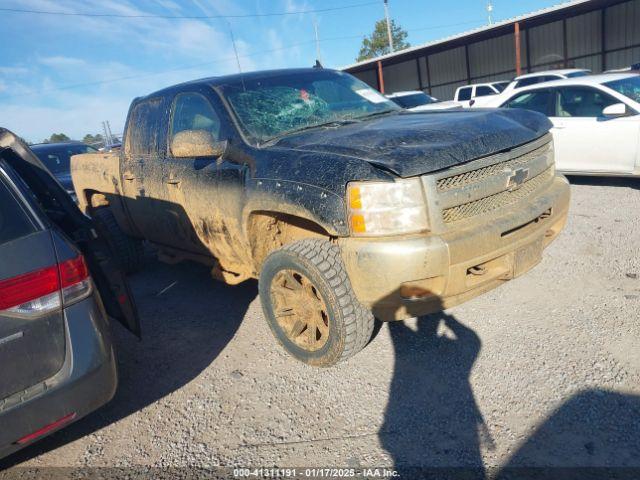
point(433, 427)
point(184, 328)
point(595, 434)
point(432, 424)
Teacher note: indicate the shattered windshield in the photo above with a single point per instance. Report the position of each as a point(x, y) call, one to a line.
point(275, 106)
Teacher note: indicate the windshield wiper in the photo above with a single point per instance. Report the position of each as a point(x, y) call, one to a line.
point(375, 114)
point(332, 123)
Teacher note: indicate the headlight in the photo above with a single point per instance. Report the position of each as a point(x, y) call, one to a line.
point(388, 208)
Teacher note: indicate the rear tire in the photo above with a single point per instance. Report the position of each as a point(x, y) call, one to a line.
point(128, 250)
point(310, 306)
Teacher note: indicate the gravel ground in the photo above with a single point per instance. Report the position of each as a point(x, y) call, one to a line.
point(543, 371)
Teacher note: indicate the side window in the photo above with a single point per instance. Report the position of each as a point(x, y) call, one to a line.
point(464, 94)
point(525, 82)
point(144, 127)
point(582, 102)
point(484, 90)
point(192, 111)
point(549, 78)
point(538, 101)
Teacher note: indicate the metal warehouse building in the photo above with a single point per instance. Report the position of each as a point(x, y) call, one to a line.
point(595, 34)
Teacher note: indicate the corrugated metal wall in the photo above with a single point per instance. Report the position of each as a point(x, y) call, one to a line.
point(575, 42)
point(621, 31)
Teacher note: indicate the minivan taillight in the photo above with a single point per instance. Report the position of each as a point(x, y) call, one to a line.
point(42, 291)
point(74, 280)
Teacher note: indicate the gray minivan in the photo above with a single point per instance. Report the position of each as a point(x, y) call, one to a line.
point(59, 285)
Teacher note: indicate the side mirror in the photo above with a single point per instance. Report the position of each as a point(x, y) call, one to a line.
point(196, 143)
point(615, 110)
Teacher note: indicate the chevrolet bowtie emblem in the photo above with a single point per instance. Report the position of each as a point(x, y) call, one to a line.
point(517, 178)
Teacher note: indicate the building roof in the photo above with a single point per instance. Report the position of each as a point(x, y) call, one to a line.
point(486, 28)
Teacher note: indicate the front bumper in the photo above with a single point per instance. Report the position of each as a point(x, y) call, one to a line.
point(410, 276)
point(86, 381)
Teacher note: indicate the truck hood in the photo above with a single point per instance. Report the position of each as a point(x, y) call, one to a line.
point(415, 143)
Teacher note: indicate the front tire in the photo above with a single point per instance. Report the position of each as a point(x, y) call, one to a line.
point(309, 304)
point(128, 250)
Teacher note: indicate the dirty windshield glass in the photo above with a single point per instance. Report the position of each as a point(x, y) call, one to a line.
point(629, 87)
point(274, 106)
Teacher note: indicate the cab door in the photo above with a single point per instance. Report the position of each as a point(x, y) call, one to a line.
point(142, 169)
point(191, 176)
point(587, 141)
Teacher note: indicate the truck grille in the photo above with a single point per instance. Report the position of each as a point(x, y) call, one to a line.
point(467, 178)
point(496, 201)
point(488, 185)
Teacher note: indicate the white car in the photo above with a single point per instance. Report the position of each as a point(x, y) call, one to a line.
point(596, 121)
point(530, 79)
point(466, 95)
point(418, 101)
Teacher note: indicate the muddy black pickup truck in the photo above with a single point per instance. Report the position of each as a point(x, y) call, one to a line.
point(343, 205)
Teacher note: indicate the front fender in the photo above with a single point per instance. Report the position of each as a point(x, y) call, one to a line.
point(321, 206)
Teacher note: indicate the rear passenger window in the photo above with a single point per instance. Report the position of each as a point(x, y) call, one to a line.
point(464, 94)
point(14, 222)
point(525, 82)
point(144, 127)
point(483, 91)
point(192, 111)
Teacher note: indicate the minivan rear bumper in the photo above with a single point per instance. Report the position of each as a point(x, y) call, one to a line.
point(87, 380)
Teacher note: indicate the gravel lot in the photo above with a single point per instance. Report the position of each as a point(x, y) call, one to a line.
point(544, 371)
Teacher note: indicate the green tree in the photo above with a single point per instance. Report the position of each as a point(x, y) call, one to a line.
point(57, 137)
point(92, 139)
point(378, 42)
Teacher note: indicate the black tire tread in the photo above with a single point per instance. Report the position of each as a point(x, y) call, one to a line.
point(325, 257)
point(128, 250)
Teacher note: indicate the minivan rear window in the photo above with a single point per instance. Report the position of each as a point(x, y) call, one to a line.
point(14, 221)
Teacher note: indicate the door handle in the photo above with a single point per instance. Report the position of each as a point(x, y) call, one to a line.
point(128, 177)
point(173, 181)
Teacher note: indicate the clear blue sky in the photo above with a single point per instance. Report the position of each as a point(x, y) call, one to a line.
point(51, 66)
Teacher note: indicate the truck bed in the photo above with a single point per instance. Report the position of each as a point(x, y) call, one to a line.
point(95, 172)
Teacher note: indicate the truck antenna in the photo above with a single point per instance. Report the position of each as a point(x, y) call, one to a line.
point(235, 49)
point(315, 29)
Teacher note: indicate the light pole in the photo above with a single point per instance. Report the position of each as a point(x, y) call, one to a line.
point(386, 14)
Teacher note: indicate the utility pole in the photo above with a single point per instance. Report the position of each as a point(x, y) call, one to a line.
point(490, 12)
point(111, 142)
point(106, 135)
point(386, 14)
point(315, 29)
